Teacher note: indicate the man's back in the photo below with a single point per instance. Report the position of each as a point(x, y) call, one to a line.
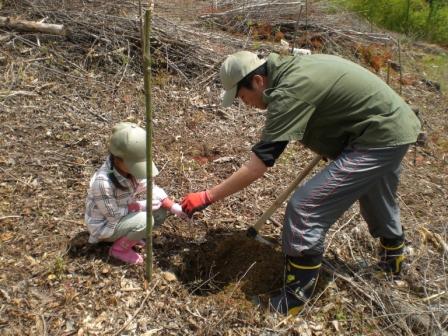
point(329, 103)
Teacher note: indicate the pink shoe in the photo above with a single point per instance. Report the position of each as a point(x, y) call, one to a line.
point(122, 250)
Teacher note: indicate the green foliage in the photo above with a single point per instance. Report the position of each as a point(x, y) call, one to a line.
point(161, 78)
point(436, 67)
point(340, 316)
point(426, 19)
point(59, 267)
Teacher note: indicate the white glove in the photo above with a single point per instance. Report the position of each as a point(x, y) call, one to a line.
point(156, 204)
point(176, 209)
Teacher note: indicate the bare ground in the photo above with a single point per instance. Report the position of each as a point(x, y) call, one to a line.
point(57, 106)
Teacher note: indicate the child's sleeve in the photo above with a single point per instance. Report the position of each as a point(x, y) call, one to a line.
point(141, 188)
point(158, 193)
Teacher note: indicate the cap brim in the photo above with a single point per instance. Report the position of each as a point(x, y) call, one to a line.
point(229, 96)
point(137, 169)
point(155, 171)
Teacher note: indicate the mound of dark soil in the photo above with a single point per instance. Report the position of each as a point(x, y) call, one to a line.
point(232, 258)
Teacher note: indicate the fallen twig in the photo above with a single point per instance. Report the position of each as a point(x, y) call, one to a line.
point(435, 296)
point(118, 332)
point(6, 217)
point(18, 93)
point(435, 238)
point(256, 7)
point(44, 325)
point(340, 228)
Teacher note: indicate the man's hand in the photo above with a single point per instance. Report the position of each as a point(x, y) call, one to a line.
point(196, 202)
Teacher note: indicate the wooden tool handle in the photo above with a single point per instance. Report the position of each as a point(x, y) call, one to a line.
point(284, 195)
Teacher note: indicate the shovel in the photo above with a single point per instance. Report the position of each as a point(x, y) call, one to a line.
point(252, 232)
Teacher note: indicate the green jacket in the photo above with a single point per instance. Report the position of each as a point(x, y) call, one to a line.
point(329, 103)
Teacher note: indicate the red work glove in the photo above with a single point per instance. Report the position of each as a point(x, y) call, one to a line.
point(196, 202)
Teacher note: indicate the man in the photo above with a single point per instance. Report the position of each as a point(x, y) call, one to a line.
point(343, 112)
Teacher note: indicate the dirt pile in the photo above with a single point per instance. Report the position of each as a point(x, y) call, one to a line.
point(233, 258)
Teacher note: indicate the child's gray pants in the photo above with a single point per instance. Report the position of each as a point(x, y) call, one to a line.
point(369, 176)
point(133, 225)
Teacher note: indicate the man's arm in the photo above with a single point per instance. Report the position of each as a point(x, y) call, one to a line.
point(263, 156)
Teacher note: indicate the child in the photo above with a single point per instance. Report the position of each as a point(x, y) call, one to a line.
point(113, 211)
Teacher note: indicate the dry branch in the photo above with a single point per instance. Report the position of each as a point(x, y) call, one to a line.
point(32, 26)
point(416, 317)
point(5, 37)
point(435, 238)
point(142, 305)
point(17, 93)
point(257, 7)
point(172, 46)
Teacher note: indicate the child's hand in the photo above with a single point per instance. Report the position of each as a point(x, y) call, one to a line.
point(136, 207)
point(141, 206)
point(177, 210)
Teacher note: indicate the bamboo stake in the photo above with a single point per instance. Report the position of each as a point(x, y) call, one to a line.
point(147, 83)
point(306, 23)
point(401, 67)
point(253, 230)
point(295, 31)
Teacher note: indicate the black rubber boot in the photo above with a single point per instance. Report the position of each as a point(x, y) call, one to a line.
point(300, 281)
point(391, 255)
